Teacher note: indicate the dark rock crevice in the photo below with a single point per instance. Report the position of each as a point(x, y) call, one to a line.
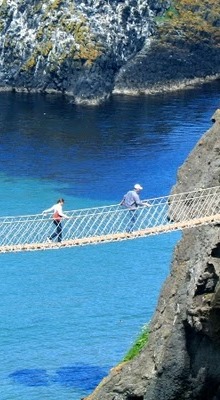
point(204, 356)
point(216, 251)
point(207, 280)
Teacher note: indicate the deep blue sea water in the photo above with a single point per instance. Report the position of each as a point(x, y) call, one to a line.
point(67, 316)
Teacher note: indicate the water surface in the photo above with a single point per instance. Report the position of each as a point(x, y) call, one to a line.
point(69, 315)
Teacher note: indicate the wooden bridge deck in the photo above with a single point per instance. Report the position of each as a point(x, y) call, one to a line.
point(114, 237)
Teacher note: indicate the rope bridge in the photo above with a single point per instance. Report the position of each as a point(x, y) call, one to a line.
point(112, 223)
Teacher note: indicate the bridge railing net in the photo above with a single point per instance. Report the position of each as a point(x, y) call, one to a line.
point(113, 219)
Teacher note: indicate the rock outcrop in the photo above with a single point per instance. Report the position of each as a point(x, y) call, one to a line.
point(89, 49)
point(182, 358)
point(72, 47)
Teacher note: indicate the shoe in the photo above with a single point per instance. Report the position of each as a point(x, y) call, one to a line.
point(49, 240)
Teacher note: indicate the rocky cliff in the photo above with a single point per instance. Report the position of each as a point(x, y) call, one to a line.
point(89, 49)
point(181, 361)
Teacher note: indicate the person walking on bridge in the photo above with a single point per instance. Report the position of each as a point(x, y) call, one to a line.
point(132, 201)
point(58, 214)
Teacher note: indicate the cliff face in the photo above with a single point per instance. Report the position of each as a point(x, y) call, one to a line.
point(91, 48)
point(73, 47)
point(182, 358)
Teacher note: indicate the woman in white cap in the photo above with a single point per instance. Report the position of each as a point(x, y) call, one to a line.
point(132, 201)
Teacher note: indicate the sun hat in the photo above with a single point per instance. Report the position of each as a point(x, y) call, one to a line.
point(137, 186)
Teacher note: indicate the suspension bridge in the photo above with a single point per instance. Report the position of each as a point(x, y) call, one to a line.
point(112, 223)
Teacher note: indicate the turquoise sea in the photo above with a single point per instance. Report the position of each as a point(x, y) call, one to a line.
point(67, 316)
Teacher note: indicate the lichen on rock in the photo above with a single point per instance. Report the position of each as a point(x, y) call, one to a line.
point(89, 49)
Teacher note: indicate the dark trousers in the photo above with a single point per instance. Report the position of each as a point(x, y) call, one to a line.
point(58, 232)
point(132, 219)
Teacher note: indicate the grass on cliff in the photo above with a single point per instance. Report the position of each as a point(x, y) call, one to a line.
point(191, 20)
point(139, 343)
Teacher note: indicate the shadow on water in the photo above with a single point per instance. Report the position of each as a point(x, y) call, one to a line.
point(81, 376)
point(30, 377)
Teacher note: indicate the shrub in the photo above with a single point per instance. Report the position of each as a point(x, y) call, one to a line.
point(139, 343)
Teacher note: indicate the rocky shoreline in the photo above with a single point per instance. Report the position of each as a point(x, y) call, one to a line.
point(172, 87)
point(89, 50)
point(186, 84)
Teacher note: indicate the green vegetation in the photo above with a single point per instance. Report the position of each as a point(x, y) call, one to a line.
point(191, 20)
point(169, 14)
point(139, 343)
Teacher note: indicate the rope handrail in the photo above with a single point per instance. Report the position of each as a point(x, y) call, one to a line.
point(112, 222)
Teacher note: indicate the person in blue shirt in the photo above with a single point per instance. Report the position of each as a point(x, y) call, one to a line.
point(132, 201)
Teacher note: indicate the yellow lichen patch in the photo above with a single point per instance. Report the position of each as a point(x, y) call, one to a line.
point(45, 48)
point(56, 4)
point(89, 54)
point(118, 367)
point(193, 20)
point(29, 64)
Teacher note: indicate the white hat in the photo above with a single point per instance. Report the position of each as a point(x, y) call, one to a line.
point(138, 187)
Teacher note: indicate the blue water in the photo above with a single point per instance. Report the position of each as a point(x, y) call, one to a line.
point(67, 316)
